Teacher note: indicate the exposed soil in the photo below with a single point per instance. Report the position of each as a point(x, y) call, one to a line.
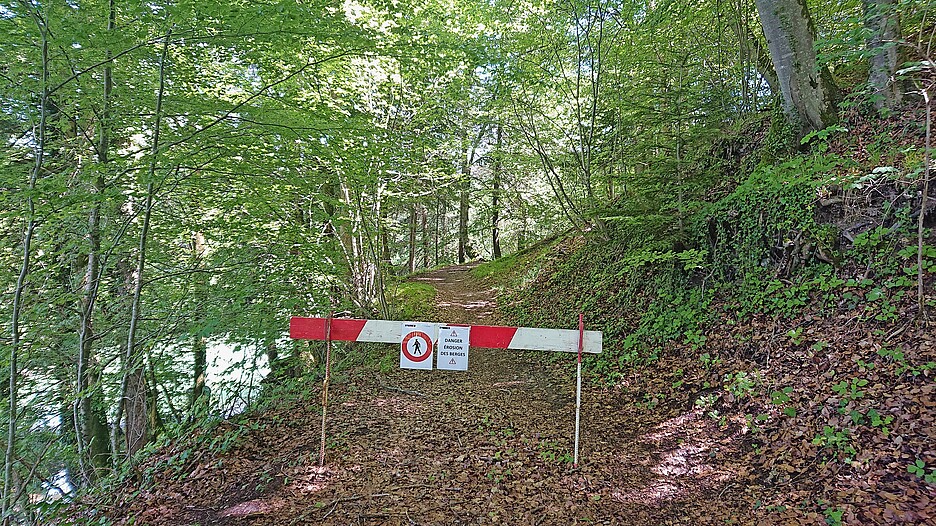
point(492, 445)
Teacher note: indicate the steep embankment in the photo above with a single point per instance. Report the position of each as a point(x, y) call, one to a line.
point(824, 381)
point(488, 446)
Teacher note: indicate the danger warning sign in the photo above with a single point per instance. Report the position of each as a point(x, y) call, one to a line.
point(453, 348)
point(416, 345)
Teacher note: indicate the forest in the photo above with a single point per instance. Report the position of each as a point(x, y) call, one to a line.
point(178, 179)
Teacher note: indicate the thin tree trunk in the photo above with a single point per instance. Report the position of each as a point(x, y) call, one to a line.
point(435, 230)
point(199, 346)
point(750, 50)
point(921, 297)
point(386, 262)
point(495, 194)
point(411, 260)
point(424, 227)
point(93, 432)
point(133, 393)
point(464, 188)
point(10, 454)
point(883, 26)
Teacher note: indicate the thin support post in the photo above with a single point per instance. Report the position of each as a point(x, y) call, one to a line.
point(578, 388)
point(328, 345)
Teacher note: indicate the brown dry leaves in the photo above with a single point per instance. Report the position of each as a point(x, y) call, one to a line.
point(492, 445)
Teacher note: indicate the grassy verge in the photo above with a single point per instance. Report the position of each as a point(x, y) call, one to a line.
point(411, 301)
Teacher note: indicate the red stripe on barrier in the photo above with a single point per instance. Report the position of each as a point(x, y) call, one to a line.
point(314, 329)
point(491, 337)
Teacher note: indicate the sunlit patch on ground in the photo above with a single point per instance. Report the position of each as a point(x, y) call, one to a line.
point(686, 460)
point(251, 508)
point(655, 494)
point(311, 479)
point(672, 427)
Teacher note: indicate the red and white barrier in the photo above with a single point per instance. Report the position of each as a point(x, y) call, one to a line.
point(485, 336)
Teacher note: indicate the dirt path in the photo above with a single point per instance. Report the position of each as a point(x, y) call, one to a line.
point(492, 445)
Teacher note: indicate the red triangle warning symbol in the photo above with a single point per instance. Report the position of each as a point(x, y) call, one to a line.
point(454, 334)
point(452, 361)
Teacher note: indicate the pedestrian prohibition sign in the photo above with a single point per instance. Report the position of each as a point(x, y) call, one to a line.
point(416, 345)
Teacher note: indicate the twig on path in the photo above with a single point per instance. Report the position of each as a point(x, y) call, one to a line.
point(351, 499)
point(397, 389)
point(404, 391)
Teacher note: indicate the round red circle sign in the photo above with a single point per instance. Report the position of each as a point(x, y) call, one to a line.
point(416, 346)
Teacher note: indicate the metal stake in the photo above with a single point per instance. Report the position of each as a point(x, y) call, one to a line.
point(578, 387)
point(325, 385)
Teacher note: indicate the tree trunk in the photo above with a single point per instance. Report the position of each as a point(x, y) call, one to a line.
point(424, 227)
point(883, 26)
point(437, 227)
point(495, 195)
point(10, 454)
point(134, 397)
point(411, 260)
point(386, 263)
point(808, 91)
point(93, 433)
point(463, 205)
point(199, 346)
point(751, 51)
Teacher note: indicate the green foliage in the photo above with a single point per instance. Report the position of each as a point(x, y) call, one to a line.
point(850, 390)
point(781, 398)
point(497, 269)
point(880, 421)
point(552, 451)
point(767, 221)
point(918, 468)
point(837, 440)
point(833, 516)
point(412, 300)
point(741, 384)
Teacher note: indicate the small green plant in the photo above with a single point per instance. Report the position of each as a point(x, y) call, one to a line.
point(653, 400)
point(695, 339)
point(796, 335)
point(837, 440)
point(929, 258)
point(850, 391)
point(708, 361)
point(741, 384)
point(918, 468)
point(781, 397)
point(833, 516)
point(678, 383)
point(706, 401)
point(879, 421)
point(551, 451)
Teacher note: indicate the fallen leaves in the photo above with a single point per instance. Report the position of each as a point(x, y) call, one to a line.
point(669, 446)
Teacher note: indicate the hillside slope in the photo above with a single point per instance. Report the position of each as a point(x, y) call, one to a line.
point(489, 446)
point(827, 387)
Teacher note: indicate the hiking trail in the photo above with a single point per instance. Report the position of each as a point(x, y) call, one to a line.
point(492, 445)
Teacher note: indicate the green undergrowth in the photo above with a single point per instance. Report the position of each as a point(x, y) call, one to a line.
point(517, 269)
point(411, 300)
point(772, 315)
point(763, 249)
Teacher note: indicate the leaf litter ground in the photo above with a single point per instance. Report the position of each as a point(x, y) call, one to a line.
point(492, 445)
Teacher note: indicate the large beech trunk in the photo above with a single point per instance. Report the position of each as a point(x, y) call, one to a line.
point(808, 91)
